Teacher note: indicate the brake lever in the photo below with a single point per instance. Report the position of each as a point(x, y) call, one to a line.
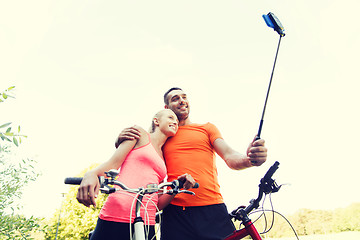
point(187, 192)
point(177, 191)
point(269, 186)
point(107, 190)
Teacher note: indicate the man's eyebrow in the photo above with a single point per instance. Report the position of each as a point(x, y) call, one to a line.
point(174, 96)
point(177, 95)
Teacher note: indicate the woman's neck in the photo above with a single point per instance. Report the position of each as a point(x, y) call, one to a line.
point(158, 139)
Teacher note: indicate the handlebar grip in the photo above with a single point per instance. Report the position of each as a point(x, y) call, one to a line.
point(77, 180)
point(73, 180)
point(181, 184)
point(271, 170)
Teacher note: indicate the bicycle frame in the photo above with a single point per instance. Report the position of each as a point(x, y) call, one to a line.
point(267, 185)
point(139, 227)
point(249, 230)
point(138, 223)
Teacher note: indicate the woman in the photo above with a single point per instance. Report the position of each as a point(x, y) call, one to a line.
point(140, 162)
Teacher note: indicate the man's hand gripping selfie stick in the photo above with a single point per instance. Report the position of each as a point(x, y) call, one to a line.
point(273, 22)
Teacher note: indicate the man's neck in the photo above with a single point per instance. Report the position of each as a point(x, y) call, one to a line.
point(184, 122)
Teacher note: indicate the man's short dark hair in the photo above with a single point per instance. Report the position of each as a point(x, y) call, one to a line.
point(166, 100)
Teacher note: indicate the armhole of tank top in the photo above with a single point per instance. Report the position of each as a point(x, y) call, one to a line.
point(149, 141)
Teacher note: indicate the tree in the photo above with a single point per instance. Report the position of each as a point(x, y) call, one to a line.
point(13, 178)
point(14, 175)
point(76, 220)
point(9, 135)
point(347, 219)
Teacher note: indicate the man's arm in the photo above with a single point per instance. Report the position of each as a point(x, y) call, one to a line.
point(255, 155)
point(130, 133)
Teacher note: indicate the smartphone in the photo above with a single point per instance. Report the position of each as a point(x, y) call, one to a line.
point(272, 21)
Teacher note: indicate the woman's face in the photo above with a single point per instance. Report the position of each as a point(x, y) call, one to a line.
point(168, 123)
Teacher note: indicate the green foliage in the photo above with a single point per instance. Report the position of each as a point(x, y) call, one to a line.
point(6, 94)
point(9, 134)
point(17, 226)
point(76, 220)
point(14, 176)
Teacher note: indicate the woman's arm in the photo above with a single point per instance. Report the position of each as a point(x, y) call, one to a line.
point(89, 187)
point(165, 199)
point(116, 159)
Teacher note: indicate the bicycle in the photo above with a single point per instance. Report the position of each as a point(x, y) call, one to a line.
point(140, 231)
point(267, 186)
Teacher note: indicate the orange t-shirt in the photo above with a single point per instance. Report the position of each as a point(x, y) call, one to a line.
point(191, 151)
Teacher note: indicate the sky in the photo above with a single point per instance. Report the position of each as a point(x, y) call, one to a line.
point(83, 71)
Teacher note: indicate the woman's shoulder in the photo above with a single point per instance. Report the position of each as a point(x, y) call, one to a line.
point(139, 128)
point(144, 136)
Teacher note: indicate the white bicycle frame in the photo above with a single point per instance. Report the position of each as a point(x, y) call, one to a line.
point(139, 226)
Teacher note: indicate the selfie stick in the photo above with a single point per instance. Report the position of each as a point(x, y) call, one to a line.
point(273, 22)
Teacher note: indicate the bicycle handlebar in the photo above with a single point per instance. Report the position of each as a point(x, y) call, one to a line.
point(150, 188)
point(267, 185)
point(181, 184)
point(73, 180)
point(271, 171)
point(77, 180)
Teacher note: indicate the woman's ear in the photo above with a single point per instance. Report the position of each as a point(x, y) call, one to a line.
point(156, 121)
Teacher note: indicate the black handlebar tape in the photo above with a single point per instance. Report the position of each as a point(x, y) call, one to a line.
point(73, 180)
point(181, 184)
point(271, 170)
point(77, 180)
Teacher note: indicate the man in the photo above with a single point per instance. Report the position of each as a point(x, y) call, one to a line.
point(192, 150)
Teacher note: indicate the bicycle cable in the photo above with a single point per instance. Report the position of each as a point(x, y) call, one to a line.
point(274, 211)
point(149, 201)
point(263, 210)
point(273, 218)
point(157, 210)
point(145, 209)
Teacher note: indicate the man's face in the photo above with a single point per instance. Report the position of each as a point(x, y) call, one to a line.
point(179, 103)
